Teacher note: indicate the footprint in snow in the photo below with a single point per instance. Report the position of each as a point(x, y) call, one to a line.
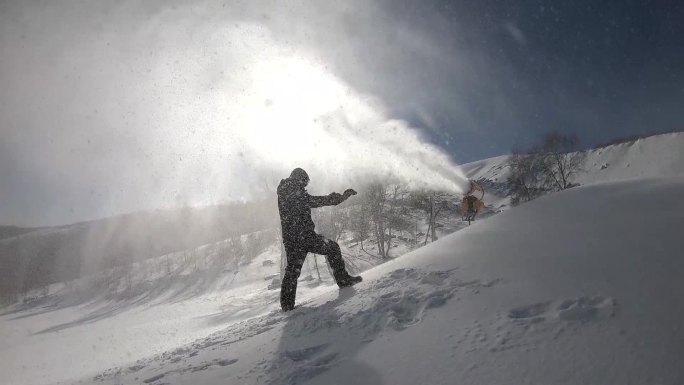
point(403, 298)
point(153, 379)
point(303, 354)
point(294, 366)
point(523, 327)
point(532, 313)
point(581, 309)
point(586, 308)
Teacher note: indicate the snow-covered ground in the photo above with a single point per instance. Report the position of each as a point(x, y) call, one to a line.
point(650, 157)
point(577, 287)
point(574, 288)
point(654, 156)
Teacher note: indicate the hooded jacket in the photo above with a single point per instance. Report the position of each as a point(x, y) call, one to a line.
point(295, 204)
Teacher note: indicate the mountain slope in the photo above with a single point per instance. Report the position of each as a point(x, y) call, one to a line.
point(577, 287)
point(57, 254)
point(546, 276)
point(13, 231)
point(654, 156)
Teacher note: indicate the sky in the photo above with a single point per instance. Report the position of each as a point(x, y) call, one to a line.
point(116, 106)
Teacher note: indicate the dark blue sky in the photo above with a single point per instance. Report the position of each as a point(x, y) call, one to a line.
point(507, 71)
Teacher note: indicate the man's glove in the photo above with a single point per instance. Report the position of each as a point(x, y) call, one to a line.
point(349, 192)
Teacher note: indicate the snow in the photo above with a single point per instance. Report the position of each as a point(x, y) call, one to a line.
point(577, 287)
point(654, 156)
point(659, 155)
point(545, 293)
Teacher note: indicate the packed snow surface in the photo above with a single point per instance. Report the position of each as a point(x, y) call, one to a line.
point(578, 287)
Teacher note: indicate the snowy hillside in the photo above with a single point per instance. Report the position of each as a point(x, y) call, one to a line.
point(659, 155)
point(572, 288)
point(650, 157)
point(576, 287)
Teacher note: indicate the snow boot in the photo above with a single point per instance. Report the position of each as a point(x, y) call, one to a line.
point(349, 281)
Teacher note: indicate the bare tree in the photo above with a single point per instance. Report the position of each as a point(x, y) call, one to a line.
point(376, 196)
point(235, 247)
point(525, 181)
point(396, 213)
point(332, 222)
point(432, 203)
point(318, 271)
point(549, 167)
point(360, 223)
point(438, 204)
point(561, 162)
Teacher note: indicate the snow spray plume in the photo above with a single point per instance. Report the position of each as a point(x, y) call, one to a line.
point(258, 111)
point(187, 107)
point(286, 111)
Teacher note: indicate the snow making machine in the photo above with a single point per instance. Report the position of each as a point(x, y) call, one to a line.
point(471, 204)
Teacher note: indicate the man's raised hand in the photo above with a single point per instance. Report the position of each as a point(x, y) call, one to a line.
point(349, 192)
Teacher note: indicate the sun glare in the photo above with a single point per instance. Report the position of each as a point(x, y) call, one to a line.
point(287, 99)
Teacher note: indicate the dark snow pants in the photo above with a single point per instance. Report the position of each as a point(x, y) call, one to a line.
point(296, 254)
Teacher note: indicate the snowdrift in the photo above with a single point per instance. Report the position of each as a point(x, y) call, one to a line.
point(579, 287)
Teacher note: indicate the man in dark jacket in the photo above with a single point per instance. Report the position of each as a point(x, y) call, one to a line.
point(299, 237)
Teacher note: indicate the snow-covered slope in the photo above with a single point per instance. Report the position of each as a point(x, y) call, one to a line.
point(660, 155)
point(654, 156)
point(651, 157)
point(578, 287)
